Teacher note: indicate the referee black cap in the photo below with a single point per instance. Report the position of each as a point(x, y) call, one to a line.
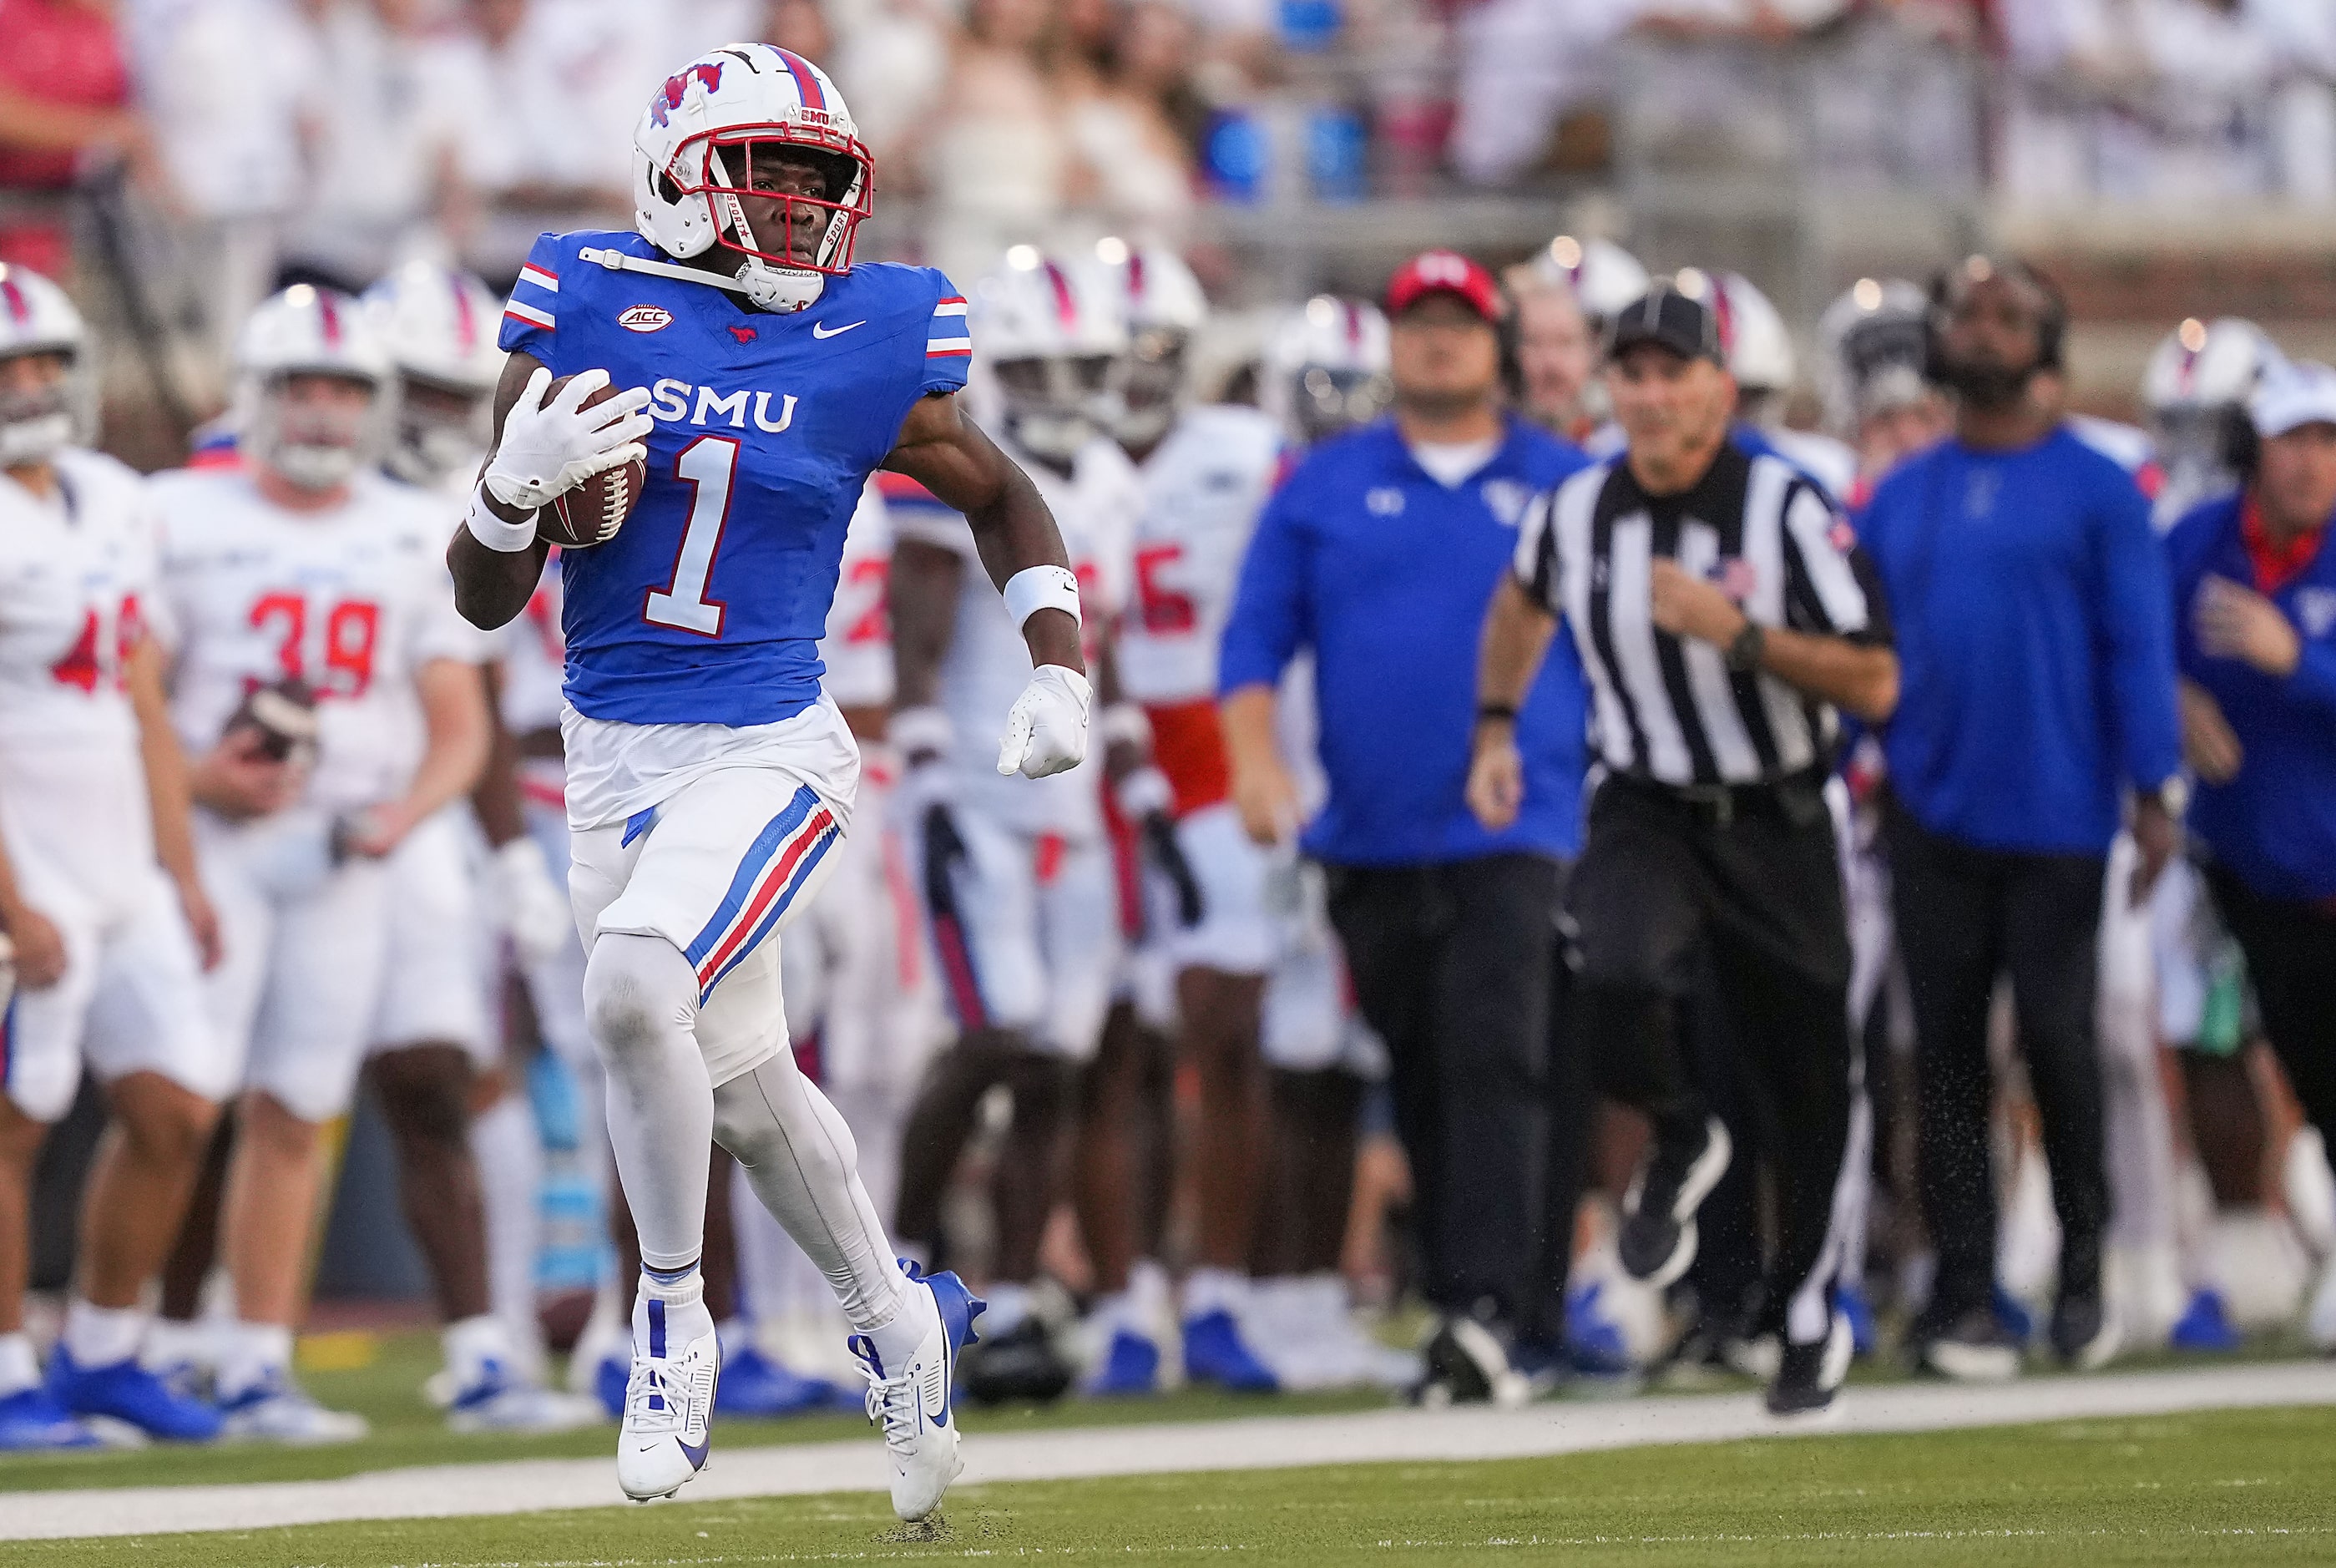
point(1663, 315)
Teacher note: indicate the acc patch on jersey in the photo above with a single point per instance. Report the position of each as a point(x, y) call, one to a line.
point(645, 318)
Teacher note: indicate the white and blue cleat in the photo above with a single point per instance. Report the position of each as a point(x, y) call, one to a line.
point(668, 1407)
point(913, 1403)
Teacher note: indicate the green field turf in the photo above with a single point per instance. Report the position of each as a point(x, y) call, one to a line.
point(407, 1431)
point(2253, 1486)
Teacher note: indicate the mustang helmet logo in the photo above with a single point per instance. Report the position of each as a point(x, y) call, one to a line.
point(669, 96)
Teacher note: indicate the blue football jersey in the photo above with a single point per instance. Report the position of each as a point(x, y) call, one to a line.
point(708, 605)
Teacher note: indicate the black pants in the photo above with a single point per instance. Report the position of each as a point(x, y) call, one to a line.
point(1760, 894)
point(1451, 964)
point(1964, 916)
point(2291, 948)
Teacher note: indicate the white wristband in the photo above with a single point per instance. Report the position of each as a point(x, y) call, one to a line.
point(1037, 587)
point(509, 537)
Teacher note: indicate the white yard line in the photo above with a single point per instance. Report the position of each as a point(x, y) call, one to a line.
point(1256, 1442)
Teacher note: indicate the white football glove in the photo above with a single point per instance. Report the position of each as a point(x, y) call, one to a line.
point(534, 910)
point(1047, 732)
point(549, 449)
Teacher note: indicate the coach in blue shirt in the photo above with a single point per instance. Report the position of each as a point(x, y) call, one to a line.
point(1379, 554)
point(2036, 685)
point(2255, 609)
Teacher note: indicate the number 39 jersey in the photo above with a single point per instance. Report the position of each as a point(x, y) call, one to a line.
point(707, 607)
point(353, 600)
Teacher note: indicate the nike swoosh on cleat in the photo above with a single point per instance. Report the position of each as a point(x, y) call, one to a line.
point(820, 329)
point(696, 1455)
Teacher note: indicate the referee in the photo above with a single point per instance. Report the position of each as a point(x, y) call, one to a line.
point(1721, 616)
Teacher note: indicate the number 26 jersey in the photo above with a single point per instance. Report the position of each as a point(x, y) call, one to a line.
point(707, 607)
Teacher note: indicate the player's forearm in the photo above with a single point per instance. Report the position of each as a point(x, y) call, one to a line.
point(454, 707)
point(1509, 654)
point(1015, 532)
point(924, 589)
point(495, 797)
point(1856, 677)
point(1246, 714)
point(491, 586)
point(169, 795)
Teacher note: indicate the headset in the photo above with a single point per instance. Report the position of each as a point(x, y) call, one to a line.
point(2051, 323)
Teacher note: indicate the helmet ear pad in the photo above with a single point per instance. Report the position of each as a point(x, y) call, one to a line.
point(2236, 442)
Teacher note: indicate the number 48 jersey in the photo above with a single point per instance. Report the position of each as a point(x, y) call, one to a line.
point(707, 607)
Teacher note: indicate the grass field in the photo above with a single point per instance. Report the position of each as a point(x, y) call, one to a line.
point(2252, 1486)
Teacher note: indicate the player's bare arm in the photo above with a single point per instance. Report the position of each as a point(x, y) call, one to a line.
point(1517, 638)
point(169, 795)
point(40, 951)
point(543, 448)
point(455, 710)
point(923, 589)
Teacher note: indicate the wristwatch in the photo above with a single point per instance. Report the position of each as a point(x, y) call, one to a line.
point(1743, 653)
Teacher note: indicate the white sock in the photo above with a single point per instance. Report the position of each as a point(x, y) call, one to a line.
point(1210, 1290)
point(472, 1343)
point(97, 1335)
point(249, 1352)
point(511, 1179)
point(896, 1342)
point(804, 1167)
point(170, 1342)
point(20, 1369)
point(671, 1307)
point(641, 995)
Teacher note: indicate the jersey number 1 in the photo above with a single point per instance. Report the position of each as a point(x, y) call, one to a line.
point(707, 466)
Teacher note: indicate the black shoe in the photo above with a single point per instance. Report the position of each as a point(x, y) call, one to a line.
point(1807, 1374)
point(2085, 1335)
point(1971, 1346)
point(1658, 1236)
point(1466, 1362)
point(1019, 1365)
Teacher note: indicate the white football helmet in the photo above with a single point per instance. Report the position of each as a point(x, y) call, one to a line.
point(1326, 367)
point(1161, 303)
point(693, 156)
point(36, 317)
point(1050, 337)
point(1872, 344)
point(438, 325)
point(1759, 350)
point(2196, 389)
point(307, 330)
point(1601, 275)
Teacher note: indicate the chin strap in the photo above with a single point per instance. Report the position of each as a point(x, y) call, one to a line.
point(617, 261)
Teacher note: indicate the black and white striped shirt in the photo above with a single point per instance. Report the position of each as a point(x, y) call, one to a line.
point(1668, 708)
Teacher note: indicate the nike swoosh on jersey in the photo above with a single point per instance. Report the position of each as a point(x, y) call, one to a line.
point(822, 330)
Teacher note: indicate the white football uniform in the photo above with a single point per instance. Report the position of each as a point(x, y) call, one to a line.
point(353, 600)
point(1204, 488)
point(1026, 923)
point(77, 580)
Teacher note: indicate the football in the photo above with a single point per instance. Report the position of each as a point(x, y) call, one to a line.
point(593, 511)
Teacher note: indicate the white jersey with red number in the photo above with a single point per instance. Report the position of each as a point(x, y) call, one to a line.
point(988, 664)
point(77, 578)
point(354, 600)
point(857, 648)
point(534, 659)
point(1204, 488)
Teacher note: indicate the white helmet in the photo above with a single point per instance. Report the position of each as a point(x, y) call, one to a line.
point(1872, 345)
point(37, 318)
point(1326, 367)
point(1050, 337)
point(1759, 350)
point(1161, 301)
point(1602, 276)
point(312, 331)
point(2206, 364)
point(693, 159)
point(438, 325)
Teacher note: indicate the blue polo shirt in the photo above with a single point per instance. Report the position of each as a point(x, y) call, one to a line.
point(2274, 824)
point(1386, 573)
point(2035, 655)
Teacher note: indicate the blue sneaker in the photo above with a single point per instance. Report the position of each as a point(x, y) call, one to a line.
point(1593, 1342)
point(1850, 1301)
point(31, 1420)
point(1214, 1353)
point(609, 1380)
point(2206, 1326)
point(127, 1391)
point(1129, 1369)
point(2013, 1314)
point(756, 1386)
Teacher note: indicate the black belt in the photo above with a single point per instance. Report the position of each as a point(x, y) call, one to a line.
point(1798, 798)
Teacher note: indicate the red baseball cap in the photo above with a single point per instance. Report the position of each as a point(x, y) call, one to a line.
point(1444, 272)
